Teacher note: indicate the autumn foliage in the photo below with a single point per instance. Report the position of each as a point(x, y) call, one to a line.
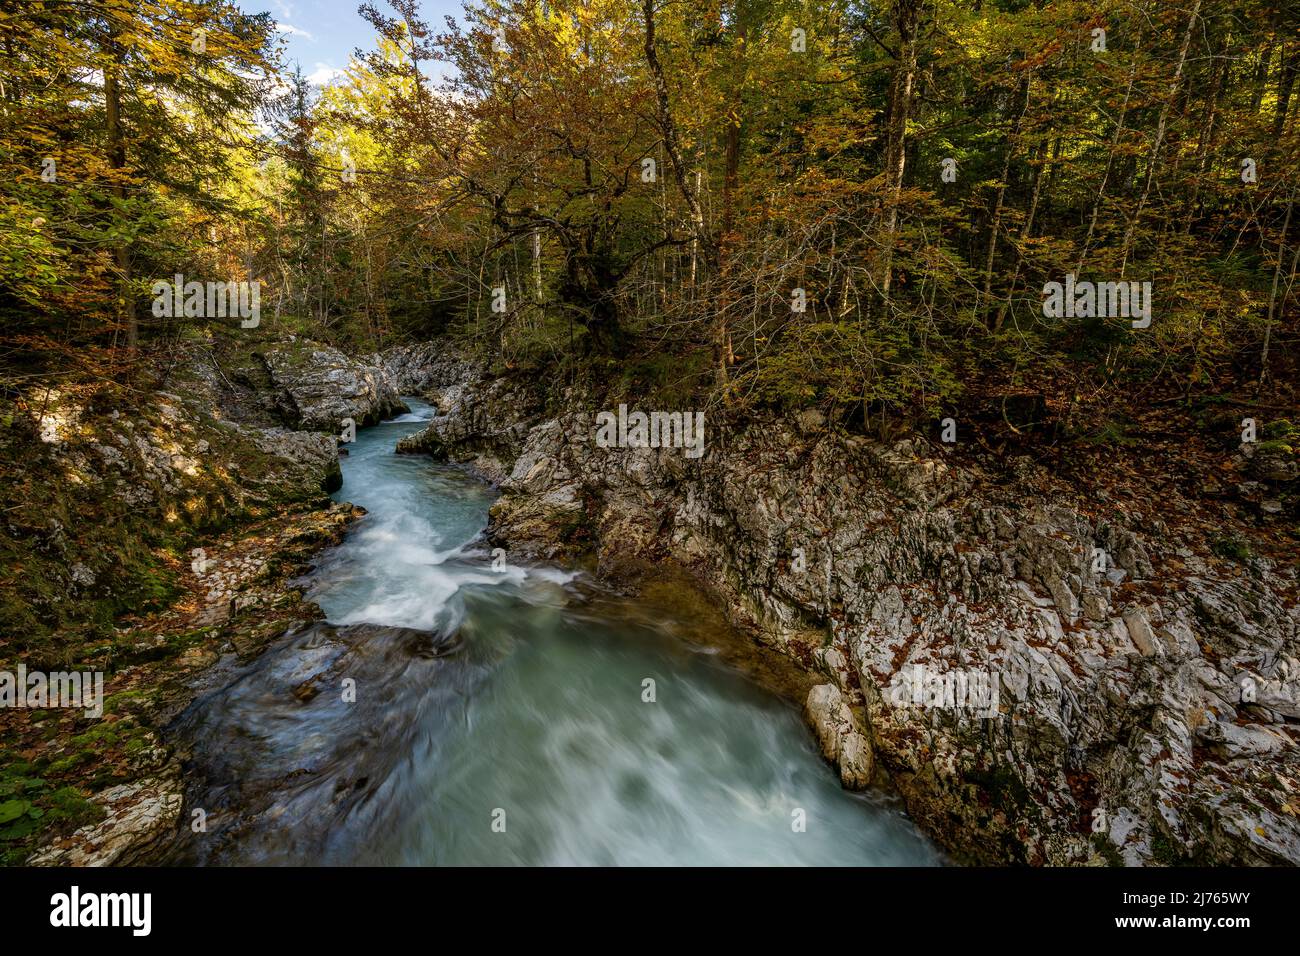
point(843, 204)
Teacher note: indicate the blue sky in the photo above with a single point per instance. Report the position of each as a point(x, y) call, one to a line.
point(320, 35)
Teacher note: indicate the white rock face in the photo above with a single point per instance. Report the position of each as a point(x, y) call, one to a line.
point(901, 560)
point(324, 387)
point(426, 367)
point(485, 427)
point(140, 816)
point(823, 709)
point(842, 740)
point(1139, 630)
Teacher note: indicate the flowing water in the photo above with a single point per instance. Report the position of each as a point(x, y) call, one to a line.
point(453, 713)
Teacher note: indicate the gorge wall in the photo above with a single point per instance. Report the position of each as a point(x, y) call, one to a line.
point(1147, 690)
point(1045, 676)
point(150, 536)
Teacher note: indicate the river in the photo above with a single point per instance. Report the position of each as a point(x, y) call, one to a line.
point(454, 713)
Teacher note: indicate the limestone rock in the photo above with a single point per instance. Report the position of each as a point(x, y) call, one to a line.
point(907, 561)
point(140, 818)
point(323, 387)
point(842, 742)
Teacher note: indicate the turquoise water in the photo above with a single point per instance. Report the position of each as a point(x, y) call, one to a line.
point(511, 726)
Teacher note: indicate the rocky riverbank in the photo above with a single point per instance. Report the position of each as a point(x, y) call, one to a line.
point(148, 535)
point(1047, 673)
point(1145, 676)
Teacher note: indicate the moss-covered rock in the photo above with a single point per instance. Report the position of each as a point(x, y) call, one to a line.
point(143, 533)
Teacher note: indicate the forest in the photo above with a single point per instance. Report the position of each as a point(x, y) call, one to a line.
point(650, 432)
point(849, 205)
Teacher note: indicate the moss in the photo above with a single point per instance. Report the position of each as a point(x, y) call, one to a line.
point(132, 650)
point(1107, 850)
point(127, 701)
point(30, 806)
point(51, 618)
point(108, 735)
point(1164, 851)
point(180, 643)
point(1281, 431)
point(295, 353)
point(154, 587)
point(70, 762)
point(135, 547)
point(1231, 547)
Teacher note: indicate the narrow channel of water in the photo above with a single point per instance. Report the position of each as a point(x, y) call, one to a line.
point(499, 716)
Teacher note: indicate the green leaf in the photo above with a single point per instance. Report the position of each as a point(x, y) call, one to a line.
point(18, 830)
point(13, 809)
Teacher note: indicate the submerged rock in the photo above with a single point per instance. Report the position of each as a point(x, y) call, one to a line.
point(301, 748)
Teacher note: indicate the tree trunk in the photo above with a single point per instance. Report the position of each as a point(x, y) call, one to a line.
point(1285, 86)
point(1110, 158)
point(730, 184)
point(907, 19)
point(1025, 233)
point(1272, 299)
point(1207, 132)
point(1012, 142)
point(117, 160)
point(1261, 77)
point(668, 128)
point(1161, 126)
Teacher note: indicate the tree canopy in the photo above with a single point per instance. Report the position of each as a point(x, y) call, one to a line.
point(853, 205)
